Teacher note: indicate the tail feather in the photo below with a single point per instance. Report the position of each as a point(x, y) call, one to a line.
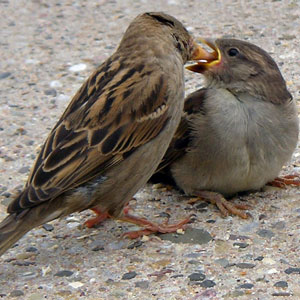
point(11, 230)
point(14, 226)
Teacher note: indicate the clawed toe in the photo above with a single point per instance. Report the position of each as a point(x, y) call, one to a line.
point(226, 207)
point(282, 182)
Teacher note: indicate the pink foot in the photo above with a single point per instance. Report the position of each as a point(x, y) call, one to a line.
point(282, 182)
point(101, 216)
point(149, 227)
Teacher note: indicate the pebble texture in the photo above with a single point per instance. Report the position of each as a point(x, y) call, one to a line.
point(47, 49)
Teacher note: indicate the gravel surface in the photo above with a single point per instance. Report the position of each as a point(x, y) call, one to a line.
point(47, 49)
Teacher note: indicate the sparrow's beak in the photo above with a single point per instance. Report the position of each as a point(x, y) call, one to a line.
point(205, 59)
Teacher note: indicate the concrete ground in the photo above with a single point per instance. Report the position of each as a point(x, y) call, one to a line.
point(47, 49)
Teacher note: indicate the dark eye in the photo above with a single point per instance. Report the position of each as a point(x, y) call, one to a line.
point(233, 52)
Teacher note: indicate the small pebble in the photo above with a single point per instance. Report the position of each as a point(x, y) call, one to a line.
point(77, 68)
point(62, 97)
point(97, 248)
point(97, 245)
point(134, 245)
point(16, 293)
point(48, 227)
point(24, 170)
point(76, 284)
point(241, 245)
point(193, 255)
point(223, 262)
point(55, 84)
point(30, 61)
point(29, 275)
point(279, 225)
point(249, 227)
point(177, 276)
point(4, 75)
point(50, 92)
point(201, 205)
point(164, 215)
point(35, 296)
point(281, 284)
point(259, 258)
point(207, 283)
point(145, 238)
point(269, 261)
point(6, 194)
point(235, 294)
point(190, 236)
point(287, 37)
point(266, 233)
point(245, 265)
point(23, 263)
point(117, 245)
point(72, 225)
point(211, 221)
point(129, 275)
point(262, 217)
point(247, 286)
point(238, 237)
point(144, 284)
point(31, 249)
point(292, 271)
point(64, 273)
point(180, 231)
point(282, 294)
point(283, 261)
point(46, 270)
point(197, 277)
point(65, 294)
point(25, 255)
point(207, 295)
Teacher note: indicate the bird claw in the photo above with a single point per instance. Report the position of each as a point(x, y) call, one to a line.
point(282, 182)
point(225, 206)
point(151, 228)
point(100, 217)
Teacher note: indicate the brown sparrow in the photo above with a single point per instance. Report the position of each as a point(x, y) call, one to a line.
point(115, 131)
point(237, 131)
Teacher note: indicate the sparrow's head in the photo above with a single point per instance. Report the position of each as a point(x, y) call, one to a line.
point(242, 67)
point(160, 30)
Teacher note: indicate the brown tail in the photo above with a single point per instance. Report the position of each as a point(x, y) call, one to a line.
point(11, 230)
point(14, 226)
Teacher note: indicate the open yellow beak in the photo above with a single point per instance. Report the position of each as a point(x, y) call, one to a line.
point(205, 59)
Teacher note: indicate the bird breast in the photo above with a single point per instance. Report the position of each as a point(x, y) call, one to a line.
point(239, 143)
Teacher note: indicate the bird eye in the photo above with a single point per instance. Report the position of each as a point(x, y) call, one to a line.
point(233, 52)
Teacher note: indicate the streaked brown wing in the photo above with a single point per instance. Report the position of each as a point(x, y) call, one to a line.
point(117, 110)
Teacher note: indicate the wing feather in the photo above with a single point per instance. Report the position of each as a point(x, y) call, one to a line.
point(114, 112)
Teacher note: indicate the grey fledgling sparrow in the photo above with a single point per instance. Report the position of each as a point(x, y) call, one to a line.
point(113, 134)
point(237, 131)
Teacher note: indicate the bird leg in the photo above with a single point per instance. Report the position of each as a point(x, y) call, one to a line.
point(223, 205)
point(100, 217)
point(149, 227)
point(282, 182)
